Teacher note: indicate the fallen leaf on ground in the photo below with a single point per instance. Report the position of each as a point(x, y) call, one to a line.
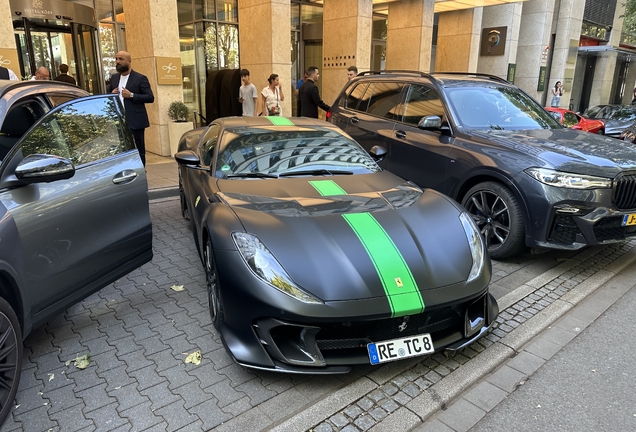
point(195, 358)
point(51, 376)
point(177, 287)
point(81, 362)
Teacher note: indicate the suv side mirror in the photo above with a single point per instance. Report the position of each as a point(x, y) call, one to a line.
point(430, 122)
point(377, 152)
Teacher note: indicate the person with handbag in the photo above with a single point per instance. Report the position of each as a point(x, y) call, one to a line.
point(272, 96)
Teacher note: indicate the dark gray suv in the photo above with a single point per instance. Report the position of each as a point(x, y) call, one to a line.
point(526, 180)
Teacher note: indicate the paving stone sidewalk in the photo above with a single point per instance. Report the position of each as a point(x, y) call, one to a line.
point(138, 332)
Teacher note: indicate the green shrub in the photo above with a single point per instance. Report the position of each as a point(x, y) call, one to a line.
point(178, 111)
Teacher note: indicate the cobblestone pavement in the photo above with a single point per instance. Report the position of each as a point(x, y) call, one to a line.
point(138, 332)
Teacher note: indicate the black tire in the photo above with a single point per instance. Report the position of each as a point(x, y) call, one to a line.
point(600, 132)
point(212, 282)
point(498, 215)
point(10, 357)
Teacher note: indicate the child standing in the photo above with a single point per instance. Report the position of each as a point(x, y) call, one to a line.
point(247, 94)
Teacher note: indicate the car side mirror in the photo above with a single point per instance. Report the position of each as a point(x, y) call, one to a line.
point(377, 152)
point(187, 157)
point(430, 122)
point(41, 168)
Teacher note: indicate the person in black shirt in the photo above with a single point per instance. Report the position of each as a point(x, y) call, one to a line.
point(308, 96)
point(64, 76)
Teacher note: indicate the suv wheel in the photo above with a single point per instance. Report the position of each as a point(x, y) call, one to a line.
point(10, 357)
point(497, 213)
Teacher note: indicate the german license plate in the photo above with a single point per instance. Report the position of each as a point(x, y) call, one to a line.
point(398, 349)
point(629, 219)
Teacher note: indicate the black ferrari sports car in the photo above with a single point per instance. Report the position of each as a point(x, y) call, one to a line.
point(316, 259)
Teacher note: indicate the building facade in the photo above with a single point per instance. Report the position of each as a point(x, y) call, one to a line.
point(533, 43)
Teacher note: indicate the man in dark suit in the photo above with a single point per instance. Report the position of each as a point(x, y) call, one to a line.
point(134, 91)
point(308, 96)
point(64, 76)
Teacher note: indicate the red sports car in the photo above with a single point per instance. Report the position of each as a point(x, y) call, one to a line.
point(575, 121)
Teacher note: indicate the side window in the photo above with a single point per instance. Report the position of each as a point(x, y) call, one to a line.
point(386, 100)
point(570, 119)
point(58, 99)
point(422, 101)
point(82, 132)
point(354, 97)
point(208, 143)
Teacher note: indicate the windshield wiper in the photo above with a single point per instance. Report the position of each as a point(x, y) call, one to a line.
point(315, 172)
point(251, 175)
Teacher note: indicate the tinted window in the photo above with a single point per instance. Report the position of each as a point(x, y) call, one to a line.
point(82, 132)
point(271, 151)
point(354, 97)
point(208, 143)
point(570, 119)
point(422, 101)
point(386, 100)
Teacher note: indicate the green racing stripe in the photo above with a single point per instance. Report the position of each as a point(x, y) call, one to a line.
point(279, 121)
point(399, 285)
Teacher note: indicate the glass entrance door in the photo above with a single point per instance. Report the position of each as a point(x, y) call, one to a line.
point(41, 44)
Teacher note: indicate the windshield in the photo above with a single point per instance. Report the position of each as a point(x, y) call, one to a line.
point(267, 152)
point(499, 108)
point(618, 113)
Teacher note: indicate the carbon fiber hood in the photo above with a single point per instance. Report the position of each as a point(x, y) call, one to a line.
point(568, 150)
point(308, 235)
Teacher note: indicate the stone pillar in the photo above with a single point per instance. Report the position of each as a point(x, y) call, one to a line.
point(509, 16)
point(7, 39)
point(412, 21)
point(606, 63)
point(564, 52)
point(346, 41)
point(458, 37)
point(265, 40)
point(152, 31)
point(534, 37)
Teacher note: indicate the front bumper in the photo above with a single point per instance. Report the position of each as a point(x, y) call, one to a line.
point(561, 218)
point(268, 330)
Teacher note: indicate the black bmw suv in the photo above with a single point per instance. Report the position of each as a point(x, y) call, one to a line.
point(526, 180)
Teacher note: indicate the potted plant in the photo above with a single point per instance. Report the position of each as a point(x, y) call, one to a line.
point(178, 113)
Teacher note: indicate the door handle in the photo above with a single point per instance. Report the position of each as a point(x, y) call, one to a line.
point(355, 119)
point(125, 176)
point(400, 134)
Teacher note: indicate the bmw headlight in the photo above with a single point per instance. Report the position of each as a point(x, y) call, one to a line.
point(476, 245)
point(261, 261)
point(568, 180)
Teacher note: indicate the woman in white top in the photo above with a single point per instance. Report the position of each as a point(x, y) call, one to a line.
point(272, 96)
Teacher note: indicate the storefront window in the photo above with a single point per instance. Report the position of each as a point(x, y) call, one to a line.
point(108, 46)
point(204, 9)
point(226, 10)
point(184, 11)
point(104, 10)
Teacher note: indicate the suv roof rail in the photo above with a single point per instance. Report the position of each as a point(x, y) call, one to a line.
point(483, 75)
point(390, 71)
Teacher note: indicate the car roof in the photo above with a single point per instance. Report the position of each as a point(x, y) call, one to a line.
point(451, 79)
point(6, 85)
point(299, 122)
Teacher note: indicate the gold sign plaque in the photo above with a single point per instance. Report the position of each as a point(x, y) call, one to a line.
point(169, 70)
point(9, 59)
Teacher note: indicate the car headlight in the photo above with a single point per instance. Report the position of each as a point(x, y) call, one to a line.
point(568, 180)
point(261, 261)
point(476, 244)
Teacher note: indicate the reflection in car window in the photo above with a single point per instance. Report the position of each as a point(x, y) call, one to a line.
point(271, 151)
point(570, 119)
point(354, 97)
point(208, 143)
point(59, 99)
point(620, 113)
point(385, 101)
point(422, 101)
point(498, 107)
point(82, 132)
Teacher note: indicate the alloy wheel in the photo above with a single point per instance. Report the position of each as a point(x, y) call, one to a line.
point(492, 216)
point(9, 362)
point(211, 281)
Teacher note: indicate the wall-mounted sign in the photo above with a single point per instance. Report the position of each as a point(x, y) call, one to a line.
point(493, 41)
point(512, 69)
point(541, 84)
point(169, 70)
point(568, 79)
point(9, 59)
